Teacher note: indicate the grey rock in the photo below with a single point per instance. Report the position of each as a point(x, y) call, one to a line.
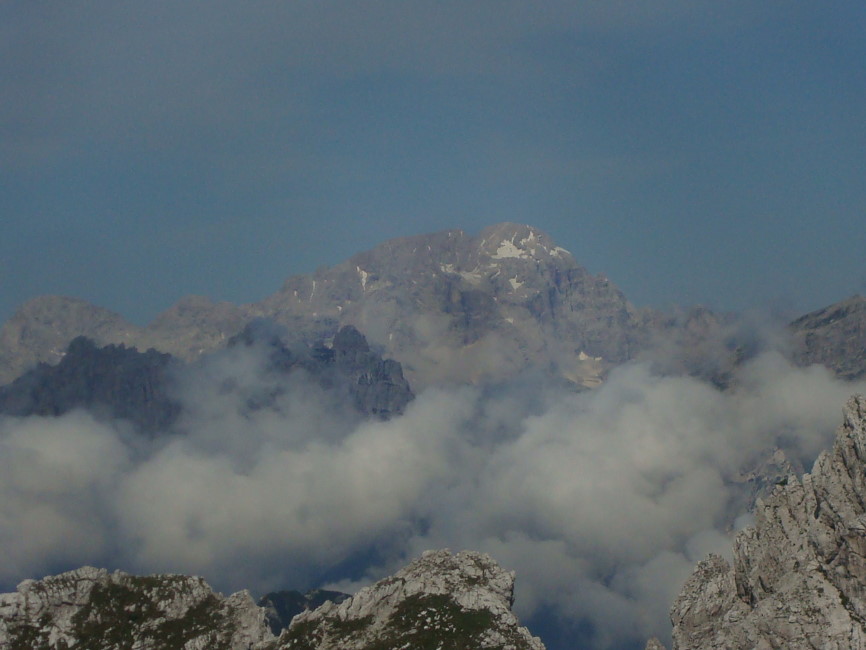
point(439, 600)
point(193, 326)
point(448, 306)
point(348, 367)
point(453, 307)
point(282, 606)
point(798, 579)
point(114, 380)
point(835, 337)
point(96, 609)
point(42, 328)
point(457, 601)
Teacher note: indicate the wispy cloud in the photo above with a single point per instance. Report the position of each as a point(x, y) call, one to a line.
point(602, 501)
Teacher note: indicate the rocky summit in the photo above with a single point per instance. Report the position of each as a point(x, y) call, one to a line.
point(438, 601)
point(798, 578)
point(92, 608)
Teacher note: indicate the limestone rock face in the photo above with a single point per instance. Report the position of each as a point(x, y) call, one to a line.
point(282, 606)
point(798, 578)
point(440, 600)
point(835, 337)
point(96, 609)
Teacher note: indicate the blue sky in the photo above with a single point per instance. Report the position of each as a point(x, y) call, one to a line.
point(692, 151)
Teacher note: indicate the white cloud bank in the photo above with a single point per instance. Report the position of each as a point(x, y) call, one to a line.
point(602, 501)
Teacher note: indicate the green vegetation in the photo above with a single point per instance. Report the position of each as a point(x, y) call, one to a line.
point(29, 637)
point(118, 614)
point(420, 622)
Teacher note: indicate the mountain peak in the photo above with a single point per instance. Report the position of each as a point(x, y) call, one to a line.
point(517, 241)
point(439, 600)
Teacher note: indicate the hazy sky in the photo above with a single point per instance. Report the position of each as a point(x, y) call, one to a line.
point(692, 151)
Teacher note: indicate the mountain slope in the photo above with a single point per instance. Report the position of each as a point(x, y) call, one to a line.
point(798, 578)
point(834, 336)
point(119, 381)
point(449, 306)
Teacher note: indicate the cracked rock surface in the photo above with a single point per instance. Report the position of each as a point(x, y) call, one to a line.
point(798, 578)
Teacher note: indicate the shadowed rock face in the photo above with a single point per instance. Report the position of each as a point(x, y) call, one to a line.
point(282, 606)
point(114, 380)
point(374, 386)
point(835, 337)
point(440, 600)
point(799, 575)
point(123, 383)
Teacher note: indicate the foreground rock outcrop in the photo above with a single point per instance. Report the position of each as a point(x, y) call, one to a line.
point(96, 609)
point(798, 578)
point(438, 601)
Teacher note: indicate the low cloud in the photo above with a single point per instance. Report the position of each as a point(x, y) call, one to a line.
point(602, 501)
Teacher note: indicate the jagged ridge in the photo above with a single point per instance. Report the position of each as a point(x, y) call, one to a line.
point(438, 601)
point(798, 579)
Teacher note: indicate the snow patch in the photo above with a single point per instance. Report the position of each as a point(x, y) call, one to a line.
point(508, 249)
point(474, 276)
point(364, 275)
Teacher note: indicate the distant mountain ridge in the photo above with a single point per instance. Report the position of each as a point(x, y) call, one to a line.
point(450, 307)
point(122, 383)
